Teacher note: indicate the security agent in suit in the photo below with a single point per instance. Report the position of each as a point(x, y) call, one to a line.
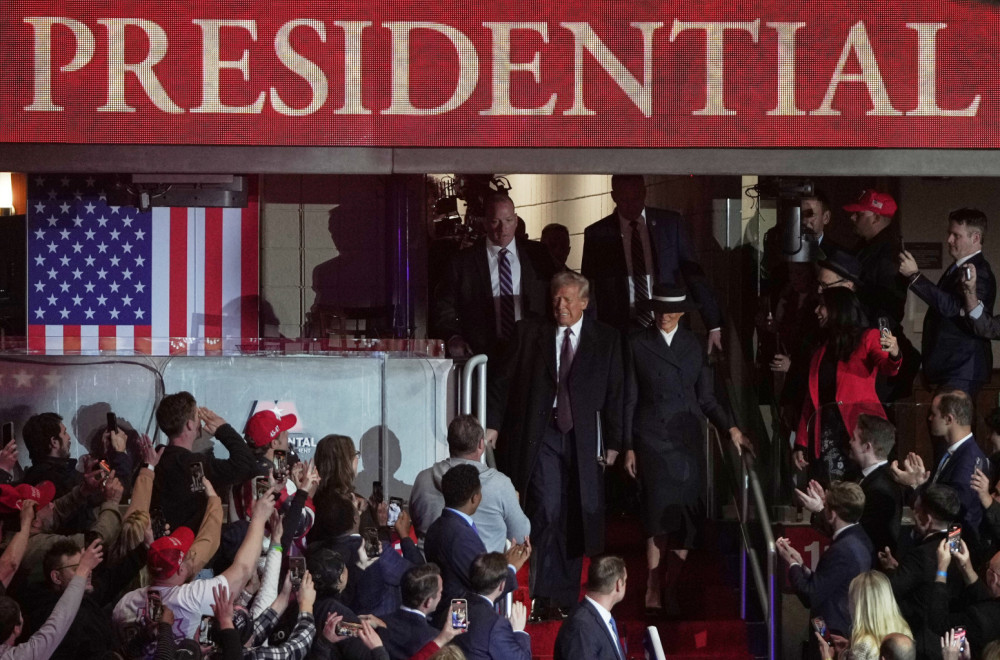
point(667, 256)
point(558, 406)
point(950, 418)
point(453, 543)
point(591, 632)
point(983, 323)
point(491, 636)
point(825, 590)
point(473, 312)
point(407, 629)
point(954, 357)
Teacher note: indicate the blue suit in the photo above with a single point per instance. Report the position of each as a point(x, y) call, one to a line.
point(453, 545)
point(824, 591)
point(957, 474)
point(490, 636)
point(585, 636)
point(673, 263)
point(405, 633)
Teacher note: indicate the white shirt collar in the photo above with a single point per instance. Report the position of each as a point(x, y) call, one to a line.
point(494, 249)
point(605, 614)
point(951, 449)
point(628, 223)
point(871, 468)
point(574, 329)
point(839, 531)
point(669, 336)
point(961, 261)
point(464, 516)
point(410, 609)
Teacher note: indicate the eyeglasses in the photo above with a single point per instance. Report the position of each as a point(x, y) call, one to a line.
point(68, 566)
point(823, 286)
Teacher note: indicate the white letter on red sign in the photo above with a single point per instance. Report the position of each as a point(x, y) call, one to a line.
point(502, 67)
point(304, 68)
point(211, 65)
point(927, 75)
point(352, 67)
point(143, 71)
point(468, 62)
point(857, 43)
point(715, 33)
point(641, 94)
point(42, 26)
point(786, 106)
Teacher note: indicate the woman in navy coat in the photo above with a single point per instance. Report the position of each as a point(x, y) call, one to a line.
point(669, 395)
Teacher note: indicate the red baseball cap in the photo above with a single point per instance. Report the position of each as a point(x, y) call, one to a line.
point(11, 497)
point(167, 553)
point(266, 425)
point(874, 201)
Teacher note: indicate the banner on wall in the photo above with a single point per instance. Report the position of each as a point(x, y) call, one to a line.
point(588, 73)
point(164, 281)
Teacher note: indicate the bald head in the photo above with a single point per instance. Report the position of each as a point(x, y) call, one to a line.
point(897, 646)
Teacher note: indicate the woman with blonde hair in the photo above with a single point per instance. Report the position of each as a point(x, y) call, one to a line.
point(874, 614)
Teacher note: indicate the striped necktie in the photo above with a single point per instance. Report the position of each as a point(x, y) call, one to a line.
point(639, 282)
point(506, 295)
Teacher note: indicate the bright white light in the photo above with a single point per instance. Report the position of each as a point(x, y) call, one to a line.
point(6, 191)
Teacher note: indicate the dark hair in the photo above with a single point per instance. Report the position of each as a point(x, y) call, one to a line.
point(54, 556)
point(555, 228)
point(845, 323)
point(879, 432)
point(618, 180)
point(326, 567)
point(604, 572)
point(941, 502)
point(335, 514)
point(334, 458)
point(459, 484)
point(38, 431)
point(464, 434)
point(956, 403)
point(847, 500)
point(488, 571)
point(419, 583)
point(973, 219)
point(10, 616)
point(174, 412)
point(821, 197)
point(993, 420)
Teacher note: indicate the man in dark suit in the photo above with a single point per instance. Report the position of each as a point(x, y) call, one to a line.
point(912, 577)
point(981, 321)
point(407, 629)
point(954, 357)
point(491, 285)
point(557, 404)
point(625, 253)
point(824, 591)
point(591, 631)
point(950, 418)
point(979, 613)
point(491, 636)
point(453, 543)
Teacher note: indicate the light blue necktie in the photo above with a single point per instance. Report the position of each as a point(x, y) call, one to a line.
point(944, 460)
point(618, 640)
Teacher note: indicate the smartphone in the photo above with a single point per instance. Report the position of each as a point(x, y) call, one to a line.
point(280, 465)
point(89, 537)
point(955, 538)
point(347, 629)
point(105, 468)
point(378, 495)
point(155, 604)
point(395, 508)
point(373, 546)
point(959, 636)
point(197, 474)
point(112, 422)
point(459, 613)
point(158, 522)
point(296, 570)
point(983, 465)
point(262, 486)
point(883, 326)
point(968, 272)
point(8, 433)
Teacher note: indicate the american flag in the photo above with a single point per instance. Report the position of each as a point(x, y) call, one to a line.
point(114, 278)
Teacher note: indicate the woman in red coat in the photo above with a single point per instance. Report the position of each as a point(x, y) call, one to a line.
point(842, 376)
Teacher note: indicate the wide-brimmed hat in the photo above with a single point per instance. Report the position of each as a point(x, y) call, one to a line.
point(668, 299)
point(844, 264)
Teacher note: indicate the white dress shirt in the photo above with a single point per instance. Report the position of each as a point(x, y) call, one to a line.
point(574, 341)
point(493, 257)
point(669, 336)
point(606, 617)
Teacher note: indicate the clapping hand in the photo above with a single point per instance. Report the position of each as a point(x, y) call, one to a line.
point(912, 472)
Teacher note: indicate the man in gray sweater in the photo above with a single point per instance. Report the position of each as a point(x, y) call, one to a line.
point(499, 516)
point(43, 643)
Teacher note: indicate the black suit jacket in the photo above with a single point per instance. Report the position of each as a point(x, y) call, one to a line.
point(673, 263)
point(464, 302)
point(882, 517)
point(584, 635)
point(824, 591)
point(405, 633)
point(883, 289)
point(490, 636)
point(520, 407)
point(453, 545)
point(957, 473)
point(951, 350)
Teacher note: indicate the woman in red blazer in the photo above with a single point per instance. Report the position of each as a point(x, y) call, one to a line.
point(842, 376)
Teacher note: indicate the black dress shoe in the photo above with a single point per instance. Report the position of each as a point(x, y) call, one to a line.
point(539, 610)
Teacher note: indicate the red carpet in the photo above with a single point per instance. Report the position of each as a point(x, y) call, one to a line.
point(709, 626)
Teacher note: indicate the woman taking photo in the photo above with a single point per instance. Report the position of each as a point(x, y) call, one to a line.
point(669, 394)
point(842, 376)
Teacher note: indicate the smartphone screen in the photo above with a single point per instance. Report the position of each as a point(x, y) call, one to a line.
point(378, 495)
point(959, 636)
point(261, 487)
point(373, 546)
point(158, 522)
point(296, 569)
point(955, 538)
point(197, 473)
point(280, 465)
point(395, 508)
point(459, 613)
point(347, 629)
point(155, 604)
point(112, 422)
point(8, 433)
point(819, 625)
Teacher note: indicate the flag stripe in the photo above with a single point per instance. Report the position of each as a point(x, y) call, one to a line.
point(213, 273)
point(195, 270)
point(232, 277)
point(71, 338)
point(160, 284)
point(178, 272)
point(107, 337)
point(249, 252)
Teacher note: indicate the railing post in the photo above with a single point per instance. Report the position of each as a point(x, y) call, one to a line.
point(744, 515)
